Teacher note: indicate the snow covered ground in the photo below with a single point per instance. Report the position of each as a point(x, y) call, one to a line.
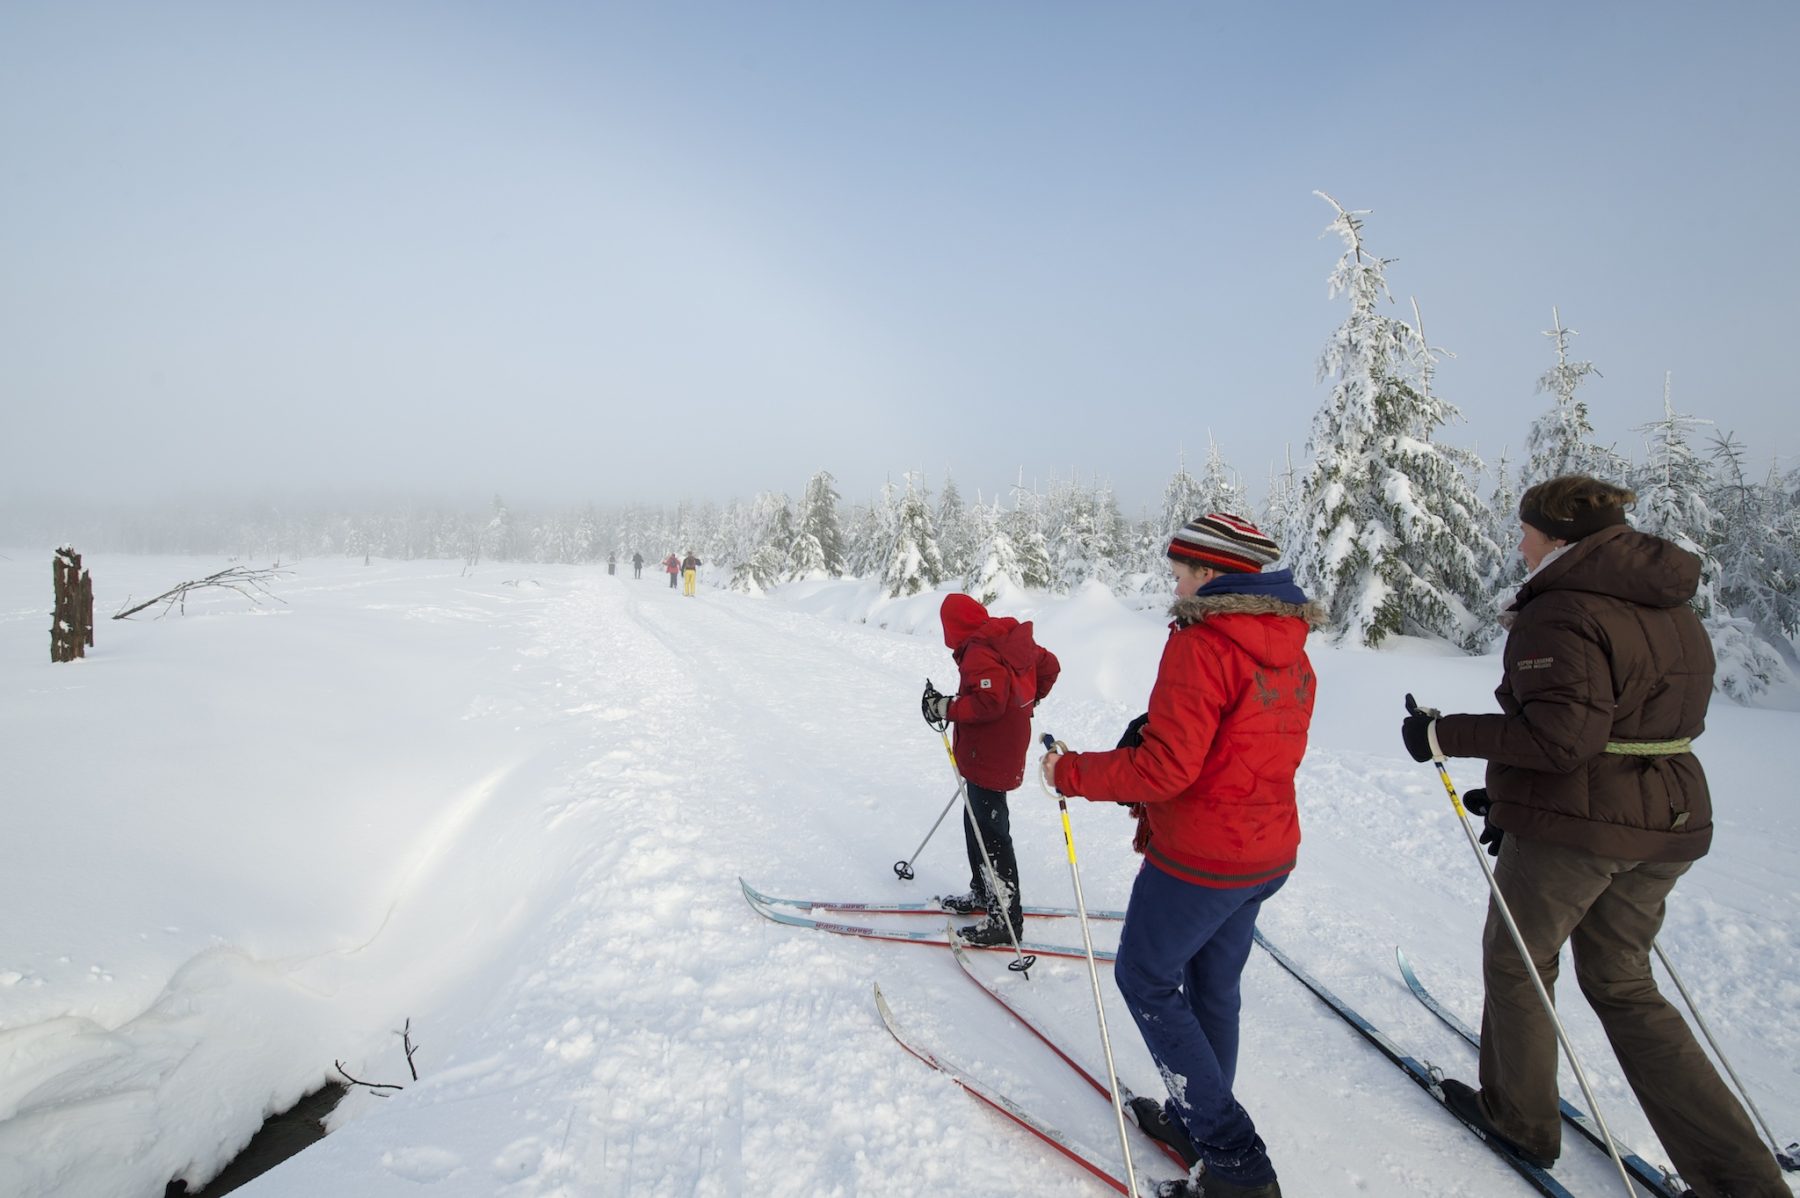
point(238, 844)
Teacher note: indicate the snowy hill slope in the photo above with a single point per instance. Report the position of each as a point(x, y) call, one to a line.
point(514, 809)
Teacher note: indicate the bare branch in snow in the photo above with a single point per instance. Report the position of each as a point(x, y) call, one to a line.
point(378, 1087)
point(248, 581)
point(405, 1035)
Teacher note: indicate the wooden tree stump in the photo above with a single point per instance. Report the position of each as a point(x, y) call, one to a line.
point(72, 626)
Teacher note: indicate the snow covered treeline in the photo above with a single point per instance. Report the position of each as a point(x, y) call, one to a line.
point(1445, 521)
point(1397, 534)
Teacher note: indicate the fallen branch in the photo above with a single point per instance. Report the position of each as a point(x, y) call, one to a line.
point(405, 1035)
point(247, 581)
point(378, 1087)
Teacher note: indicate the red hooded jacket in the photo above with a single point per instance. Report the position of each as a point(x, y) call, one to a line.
point(1004, 674)
point(1228, 723)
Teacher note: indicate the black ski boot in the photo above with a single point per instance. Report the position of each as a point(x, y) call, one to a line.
point(1153, 1120)
point(1209, 1186)
point(989, 933)
point(1466, 1102)
point(972, 903)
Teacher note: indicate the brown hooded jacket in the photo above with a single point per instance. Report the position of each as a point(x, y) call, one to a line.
point(1604, 650)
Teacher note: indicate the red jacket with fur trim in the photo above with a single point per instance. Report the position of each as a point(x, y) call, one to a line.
point(1229, 717)
point(1004, 674)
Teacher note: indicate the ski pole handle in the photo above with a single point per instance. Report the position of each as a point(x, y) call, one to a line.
point(1051, 745)
point(1413, 708)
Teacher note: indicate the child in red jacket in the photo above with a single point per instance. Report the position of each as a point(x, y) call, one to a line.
point(1213, 769)
point(1003, 675)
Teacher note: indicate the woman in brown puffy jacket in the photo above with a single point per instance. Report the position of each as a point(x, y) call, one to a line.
point(1595, 805)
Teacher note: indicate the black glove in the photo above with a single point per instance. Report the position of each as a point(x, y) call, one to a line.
point(934, 705)
point(1134, 732)
point(1476, 802)
point(1413, 732)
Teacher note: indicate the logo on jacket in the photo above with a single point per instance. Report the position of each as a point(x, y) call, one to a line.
point(1537, 663)
point(1266, 693)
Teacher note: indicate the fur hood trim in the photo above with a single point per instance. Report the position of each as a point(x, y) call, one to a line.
point(1196, 608)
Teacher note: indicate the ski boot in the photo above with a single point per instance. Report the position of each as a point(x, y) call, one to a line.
point(1465, 1101)
point(1209, 1186)
point(1153, 1120)
point(973, 902)
point(989, 933)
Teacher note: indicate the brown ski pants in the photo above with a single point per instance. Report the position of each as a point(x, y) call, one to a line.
point(1608, 911)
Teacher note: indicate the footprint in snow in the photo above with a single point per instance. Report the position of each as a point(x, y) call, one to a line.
point(421, 1164)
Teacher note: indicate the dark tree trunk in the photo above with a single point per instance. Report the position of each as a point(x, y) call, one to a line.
point(72, 624)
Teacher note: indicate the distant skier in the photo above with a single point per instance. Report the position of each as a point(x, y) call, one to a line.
point(612, 563)
point(690, 569)
point(637, 565)
point(672, 567)
point(1003, 673)
point(1211, 767)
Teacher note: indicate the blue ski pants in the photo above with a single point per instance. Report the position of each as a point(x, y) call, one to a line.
point(1181, 956)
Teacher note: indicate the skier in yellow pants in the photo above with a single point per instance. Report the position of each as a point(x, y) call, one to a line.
point(690, 566)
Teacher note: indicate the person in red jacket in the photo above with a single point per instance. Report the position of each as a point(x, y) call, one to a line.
point(1004, 673)
point(672, 566)
point(1211, 770)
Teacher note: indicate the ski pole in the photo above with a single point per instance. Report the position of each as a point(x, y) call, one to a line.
point(1518, 939)
point(904, 869)
point(1002, 893)
point(1052, 745)
point(1784, 1158)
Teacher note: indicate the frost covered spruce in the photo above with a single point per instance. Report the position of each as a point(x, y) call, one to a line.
point(1390, 536)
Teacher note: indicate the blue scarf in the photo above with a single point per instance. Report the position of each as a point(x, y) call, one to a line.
point(1270, 584)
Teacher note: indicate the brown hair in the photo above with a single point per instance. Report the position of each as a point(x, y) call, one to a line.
point(1571, 506)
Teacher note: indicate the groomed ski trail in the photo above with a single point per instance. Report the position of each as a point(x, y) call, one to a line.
point(646, 1033)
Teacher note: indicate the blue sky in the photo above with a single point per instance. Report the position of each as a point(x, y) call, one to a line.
point(653, 251)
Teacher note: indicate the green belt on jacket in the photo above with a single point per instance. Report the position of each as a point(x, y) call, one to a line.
point(1651, 748)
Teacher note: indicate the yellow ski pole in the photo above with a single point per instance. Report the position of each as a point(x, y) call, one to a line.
point(1052, 745)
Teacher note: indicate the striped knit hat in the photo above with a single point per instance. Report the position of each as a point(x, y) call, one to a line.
point(1222, 541)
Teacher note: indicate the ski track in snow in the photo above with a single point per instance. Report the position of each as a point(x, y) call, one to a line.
point(600, 1013)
